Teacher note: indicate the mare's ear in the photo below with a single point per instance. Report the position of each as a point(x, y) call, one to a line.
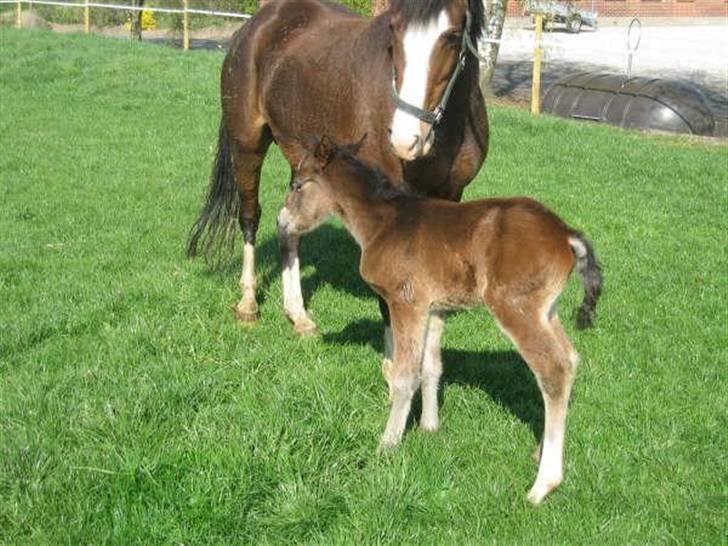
point(324, 151)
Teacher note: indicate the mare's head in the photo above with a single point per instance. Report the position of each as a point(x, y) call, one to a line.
point(428, 52)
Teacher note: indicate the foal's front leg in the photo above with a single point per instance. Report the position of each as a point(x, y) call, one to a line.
point(288, 240)
point(403, 376)
point(431, 372)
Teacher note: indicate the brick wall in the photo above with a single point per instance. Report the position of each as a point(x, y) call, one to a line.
point(645, 8)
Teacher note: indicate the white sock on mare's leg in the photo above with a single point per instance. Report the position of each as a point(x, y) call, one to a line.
point(247, 308)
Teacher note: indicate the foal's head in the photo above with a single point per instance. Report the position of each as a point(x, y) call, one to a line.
point(427, 47)
point(310, 199)
point(326, 181)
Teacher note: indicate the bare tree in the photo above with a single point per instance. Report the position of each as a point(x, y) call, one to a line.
point(378, 6)
point(136, 20)
point(495, 16)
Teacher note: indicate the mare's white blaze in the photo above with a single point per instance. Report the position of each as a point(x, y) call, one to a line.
point(418, 43)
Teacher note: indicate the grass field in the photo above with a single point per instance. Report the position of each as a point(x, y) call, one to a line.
point(134, 409)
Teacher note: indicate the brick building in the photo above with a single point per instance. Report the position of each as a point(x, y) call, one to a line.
point(645, 8)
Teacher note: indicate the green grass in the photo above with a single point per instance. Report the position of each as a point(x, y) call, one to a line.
point(134, 409)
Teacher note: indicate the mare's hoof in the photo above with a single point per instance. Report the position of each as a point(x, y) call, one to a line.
point(246, 316)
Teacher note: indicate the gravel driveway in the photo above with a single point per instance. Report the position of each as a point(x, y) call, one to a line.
point(695, 53)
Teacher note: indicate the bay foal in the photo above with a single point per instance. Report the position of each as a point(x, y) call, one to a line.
point(426, 256)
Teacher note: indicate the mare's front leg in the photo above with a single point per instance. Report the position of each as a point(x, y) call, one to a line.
point(247, 173)
point(289, 236)
point(403, 375)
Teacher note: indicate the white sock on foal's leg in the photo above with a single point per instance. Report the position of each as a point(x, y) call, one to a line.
point(431, 372)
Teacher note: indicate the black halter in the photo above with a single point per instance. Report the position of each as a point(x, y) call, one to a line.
point(435, 116)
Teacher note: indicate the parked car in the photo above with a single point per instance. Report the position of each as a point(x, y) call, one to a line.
point(560, 12)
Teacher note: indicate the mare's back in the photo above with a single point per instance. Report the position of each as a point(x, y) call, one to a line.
point(300, 28)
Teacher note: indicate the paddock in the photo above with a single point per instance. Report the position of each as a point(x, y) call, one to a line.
point(135, 408)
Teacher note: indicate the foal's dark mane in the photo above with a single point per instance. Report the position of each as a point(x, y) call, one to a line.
point(423, 11)
point(381, 187)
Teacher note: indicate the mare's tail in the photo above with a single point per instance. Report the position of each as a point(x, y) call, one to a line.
point(214, 231)
point(591, 277)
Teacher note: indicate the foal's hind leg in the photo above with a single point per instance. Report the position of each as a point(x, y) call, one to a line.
point(542, 347)
point(247, 167)
point(569, 350)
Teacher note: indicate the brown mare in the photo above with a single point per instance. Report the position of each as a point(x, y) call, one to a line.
point(300, 68)
point(425, 256)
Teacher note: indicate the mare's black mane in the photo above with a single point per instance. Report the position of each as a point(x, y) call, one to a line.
point(422, 11)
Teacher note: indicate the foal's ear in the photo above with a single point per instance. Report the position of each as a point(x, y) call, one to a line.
point(354, 148)
point(325, 150)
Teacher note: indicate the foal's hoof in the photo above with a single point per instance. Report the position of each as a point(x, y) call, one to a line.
point(387, 445)
point(539, 492)
point(303, 325)
point(429, 424)
point(306, 329)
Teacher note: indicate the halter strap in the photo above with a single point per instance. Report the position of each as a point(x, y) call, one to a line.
point(435, 116)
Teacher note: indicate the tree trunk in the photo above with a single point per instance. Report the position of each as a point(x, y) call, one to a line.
point(495, 16)
point(378, 6)
point(136, 21)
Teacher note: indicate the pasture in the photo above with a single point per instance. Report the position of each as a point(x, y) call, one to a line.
point(135, 409)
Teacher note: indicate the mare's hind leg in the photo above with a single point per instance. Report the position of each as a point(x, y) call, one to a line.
point(542, 347)
point(247, 167)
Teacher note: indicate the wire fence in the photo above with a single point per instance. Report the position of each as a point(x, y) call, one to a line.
point(549, 50)
point(154, 9)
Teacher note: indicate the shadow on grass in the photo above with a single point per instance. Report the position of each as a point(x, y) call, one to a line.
point(503, 375)
point(330, 249)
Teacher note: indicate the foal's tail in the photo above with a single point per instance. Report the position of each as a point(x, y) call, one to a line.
point(214, 231)
point(591, 278)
